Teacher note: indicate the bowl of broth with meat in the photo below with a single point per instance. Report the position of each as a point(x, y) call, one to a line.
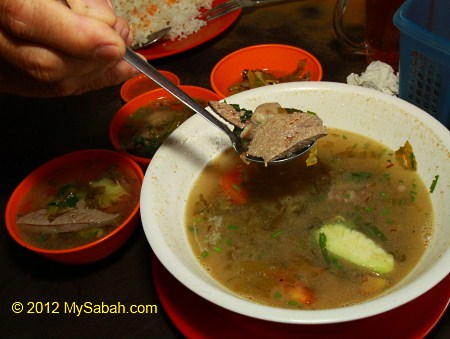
point(142, 124)
point(355, 227)
point(78, 208)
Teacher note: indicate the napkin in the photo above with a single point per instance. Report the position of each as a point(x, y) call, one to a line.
point(378, 75)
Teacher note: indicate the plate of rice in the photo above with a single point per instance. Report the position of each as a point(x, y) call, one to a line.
point(188, 30)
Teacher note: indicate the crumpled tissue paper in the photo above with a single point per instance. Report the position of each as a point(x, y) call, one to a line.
point(379, 76)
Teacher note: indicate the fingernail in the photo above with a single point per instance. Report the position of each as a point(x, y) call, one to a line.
point(130, 38)
point(107, 52)
point(126, 34)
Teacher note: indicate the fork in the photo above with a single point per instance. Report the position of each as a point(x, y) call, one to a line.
point(231, 6)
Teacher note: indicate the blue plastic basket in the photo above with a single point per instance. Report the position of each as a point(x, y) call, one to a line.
point(425, 55)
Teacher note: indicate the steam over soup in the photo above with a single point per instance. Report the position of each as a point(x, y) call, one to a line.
point(76, 205)
point(316, 237)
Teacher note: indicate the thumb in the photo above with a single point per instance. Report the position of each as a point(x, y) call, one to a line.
point(98, 9)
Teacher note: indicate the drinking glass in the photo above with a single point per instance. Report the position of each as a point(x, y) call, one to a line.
point(381, 40)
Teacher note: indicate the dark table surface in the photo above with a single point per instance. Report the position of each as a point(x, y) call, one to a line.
point(34, 131)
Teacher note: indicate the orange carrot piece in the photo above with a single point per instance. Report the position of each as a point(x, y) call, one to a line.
point(301, 293)
point(233, 185)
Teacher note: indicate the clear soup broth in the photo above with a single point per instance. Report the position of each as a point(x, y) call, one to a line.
point(261, 231)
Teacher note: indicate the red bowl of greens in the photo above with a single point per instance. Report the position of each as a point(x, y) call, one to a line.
point(78, 208)
point(141, 125)
point(262, 65)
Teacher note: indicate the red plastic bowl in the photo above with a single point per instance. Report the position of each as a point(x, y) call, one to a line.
point(282, 59)
point(141, 84)
point(92, 251)
point(143, 100)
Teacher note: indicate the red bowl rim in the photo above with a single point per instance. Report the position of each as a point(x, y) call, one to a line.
point(130, 82)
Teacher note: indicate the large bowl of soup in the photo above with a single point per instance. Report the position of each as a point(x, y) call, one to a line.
point(78, 208)
point(142, 124)
point(353, 229)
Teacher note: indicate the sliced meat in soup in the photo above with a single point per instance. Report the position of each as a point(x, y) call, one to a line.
point(228, 112)
point(273, 131)
point(284, 134)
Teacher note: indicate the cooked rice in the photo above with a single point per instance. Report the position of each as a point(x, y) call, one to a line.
point(148, 16)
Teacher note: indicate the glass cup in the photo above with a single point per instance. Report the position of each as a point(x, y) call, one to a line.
point(381, 40)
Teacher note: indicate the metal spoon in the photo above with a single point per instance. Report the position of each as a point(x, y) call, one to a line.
point(152, 38)
point(140, 64)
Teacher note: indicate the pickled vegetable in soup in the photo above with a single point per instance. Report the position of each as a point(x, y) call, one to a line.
point(76, 205)
point(146, 129)
point(324, 236)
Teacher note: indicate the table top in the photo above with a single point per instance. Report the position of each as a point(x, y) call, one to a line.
point(38, 130)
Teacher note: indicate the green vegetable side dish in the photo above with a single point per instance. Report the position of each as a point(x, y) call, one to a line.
point(258, 78)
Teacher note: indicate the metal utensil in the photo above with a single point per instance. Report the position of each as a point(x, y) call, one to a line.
point(140, 64)
point(231, 6)
point(152, 38)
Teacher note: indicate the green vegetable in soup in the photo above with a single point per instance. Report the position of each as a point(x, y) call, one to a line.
point(111, 192)
point(349, 244)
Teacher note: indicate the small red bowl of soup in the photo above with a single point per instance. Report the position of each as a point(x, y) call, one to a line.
point(141, 125)
point(261, 65)
point(78, 208)
point(141, 84)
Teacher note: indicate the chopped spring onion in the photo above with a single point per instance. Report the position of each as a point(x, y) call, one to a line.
point(434, 183)
point(276, 234)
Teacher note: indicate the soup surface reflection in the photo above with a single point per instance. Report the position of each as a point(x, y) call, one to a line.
point(315, 237)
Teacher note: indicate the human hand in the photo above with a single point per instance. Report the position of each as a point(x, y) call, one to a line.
point(49, 49)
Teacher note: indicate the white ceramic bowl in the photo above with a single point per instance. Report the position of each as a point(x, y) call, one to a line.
point(392, 121)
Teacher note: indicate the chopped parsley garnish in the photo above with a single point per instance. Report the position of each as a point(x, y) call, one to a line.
point(246, 115)
point(66, 197)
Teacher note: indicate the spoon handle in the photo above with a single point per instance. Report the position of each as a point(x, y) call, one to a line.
point(136, 61)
